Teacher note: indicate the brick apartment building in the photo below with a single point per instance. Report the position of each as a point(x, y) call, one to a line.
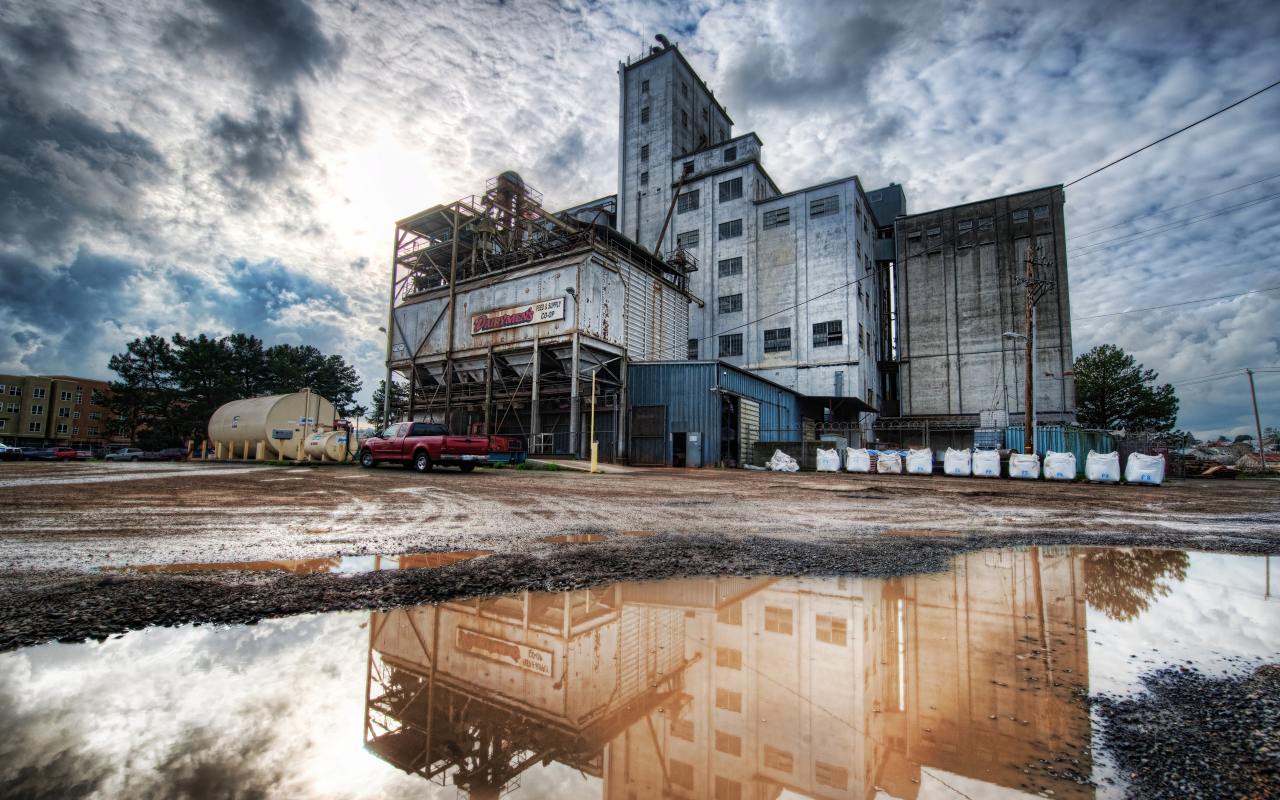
point(47, 410)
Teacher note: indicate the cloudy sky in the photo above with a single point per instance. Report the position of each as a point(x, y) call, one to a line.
point(237, 165)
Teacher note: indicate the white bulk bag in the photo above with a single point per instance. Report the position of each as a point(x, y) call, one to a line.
point(781, 462)
point(888, 462)
point(1022, 465)
point(1144, 469)
point(1103, 467)
point(1059, 466)
point(857, 460)
point(986, 463)
point(828, 460)
point(959, 462)
point(920, 462)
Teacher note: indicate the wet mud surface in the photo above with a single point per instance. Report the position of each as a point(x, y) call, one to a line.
point(62, 525)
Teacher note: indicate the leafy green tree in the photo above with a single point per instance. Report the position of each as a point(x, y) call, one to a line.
point(1114, 391)
point(291, 369)
point(399, 394)
point(1244, 437)
point(144, 399)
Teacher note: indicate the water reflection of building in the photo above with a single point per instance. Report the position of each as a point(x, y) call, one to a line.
point(738, 689)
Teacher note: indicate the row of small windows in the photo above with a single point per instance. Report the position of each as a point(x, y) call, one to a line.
point(983, 223)
point(776, 340)
point(682, 774)
point(777, 619)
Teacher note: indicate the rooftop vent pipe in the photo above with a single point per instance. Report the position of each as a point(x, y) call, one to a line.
point(665, 42)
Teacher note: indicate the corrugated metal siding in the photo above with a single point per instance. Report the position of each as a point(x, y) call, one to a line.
point(1061, 439)
point(685, 388)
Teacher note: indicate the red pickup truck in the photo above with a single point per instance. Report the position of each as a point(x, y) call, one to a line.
point(424, 445)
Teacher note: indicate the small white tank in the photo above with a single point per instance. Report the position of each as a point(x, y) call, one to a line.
point(329, 444)
point(257, 419)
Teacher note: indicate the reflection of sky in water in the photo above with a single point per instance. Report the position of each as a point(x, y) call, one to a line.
point(1217, 613)
point(278, 708)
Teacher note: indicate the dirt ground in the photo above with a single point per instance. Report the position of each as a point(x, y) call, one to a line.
point(62, 524)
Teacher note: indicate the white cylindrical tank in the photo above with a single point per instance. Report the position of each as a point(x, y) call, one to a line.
point(329, 444)
point(262, 419)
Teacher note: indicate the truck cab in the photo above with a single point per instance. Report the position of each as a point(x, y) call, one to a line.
point(424, 445)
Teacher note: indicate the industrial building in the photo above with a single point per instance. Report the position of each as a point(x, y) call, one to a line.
point(875, 325)
point(745, 687)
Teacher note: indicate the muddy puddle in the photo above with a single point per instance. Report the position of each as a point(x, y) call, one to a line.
point(307, 566)
point(965, 683)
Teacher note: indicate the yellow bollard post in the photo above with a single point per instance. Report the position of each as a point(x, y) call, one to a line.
point(594, 444)
point(217, 450)
point(261, 452)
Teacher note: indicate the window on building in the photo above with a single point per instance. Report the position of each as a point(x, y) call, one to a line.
point(731, 229)
point(731, 614)
point(644, 115)
point(684, 119)
point(95, 415)
point(15, 391)
point(727, 789)
point(731, 189)
point(693, 350)
point(1040, 212)
point(682, 729)
point(731, 345)
point(868, 342)
point(93, 430)
point(681, 774)
point(79, 396)
point(64, 412)
point(965, 227)
point(64, 397)
point(781, 760)
point(777, 340)
point(728, 743)
point(731, 266)
point(721, 131)
point(687, 239)
point(728, 701)
point(1020, 215)
point(877, 197)
point(684, 89)
point(825, 206)
point(832, 630)
point(37, 393)
point(986, 223)
point(2, 422)
point(828, 334)
point(13, 408)
point(931, 232)
point(830, 775)
point(644, 87)
point(689, 201)
point(912, 235)
point(838, 389)
point(644, 152)
point(777, 619)
point(704, 115)
point(728, 658)
point(777, 218)
point(885, 232)
point(644, 179)
point(730, 154)
point(75, 430)
point(37, 410)
point(34, 427)
point(1, 388)
point(731, 304)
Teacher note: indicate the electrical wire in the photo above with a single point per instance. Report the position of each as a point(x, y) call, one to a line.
point(1172, 208)
point(1159, 229)
point(1171, 305)
point(1028, 204)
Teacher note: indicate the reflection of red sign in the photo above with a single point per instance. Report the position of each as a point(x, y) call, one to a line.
point(517, 655)
point(542, 311)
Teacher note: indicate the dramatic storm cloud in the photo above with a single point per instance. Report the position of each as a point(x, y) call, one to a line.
point(230, 165)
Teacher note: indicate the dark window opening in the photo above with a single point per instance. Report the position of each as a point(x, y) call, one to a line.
point(731, 266)
point(778, 218)
point(730, 154)
point(731, 345)
point(777, 340)
point(730, 303)
point(731, 229)
point(828, 334)
point(731, 189)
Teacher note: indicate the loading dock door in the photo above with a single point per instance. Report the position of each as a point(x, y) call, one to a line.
point(649, 436)
point(748, 430)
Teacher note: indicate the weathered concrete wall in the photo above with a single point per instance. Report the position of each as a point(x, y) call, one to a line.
point(957, 271)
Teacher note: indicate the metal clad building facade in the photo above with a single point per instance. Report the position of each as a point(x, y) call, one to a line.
point(723, 405)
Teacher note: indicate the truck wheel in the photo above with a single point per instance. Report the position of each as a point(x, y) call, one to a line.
point(135, 458)
point(466, 467)
point(367, 460)
point(422, 462)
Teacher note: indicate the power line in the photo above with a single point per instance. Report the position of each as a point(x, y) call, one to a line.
point(1096, 248)
point(1172, 208)
point(1007, 213)
point(1218, 376)
point(1171, 305)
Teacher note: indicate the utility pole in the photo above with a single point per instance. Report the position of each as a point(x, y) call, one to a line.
point(1262, 453)
point(1036, 288)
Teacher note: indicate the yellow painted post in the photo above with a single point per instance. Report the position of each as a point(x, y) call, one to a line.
point(217, 450)
point(594, 444)
point(260, 453)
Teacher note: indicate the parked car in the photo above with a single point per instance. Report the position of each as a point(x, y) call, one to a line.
point(62, 454)
point(28, 453)
point(424, 445)
point(172, 454)
point(8, 453)
point(127, 454)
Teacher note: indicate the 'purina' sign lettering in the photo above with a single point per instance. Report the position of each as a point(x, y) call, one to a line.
point(517, 655)
point(545, 311)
